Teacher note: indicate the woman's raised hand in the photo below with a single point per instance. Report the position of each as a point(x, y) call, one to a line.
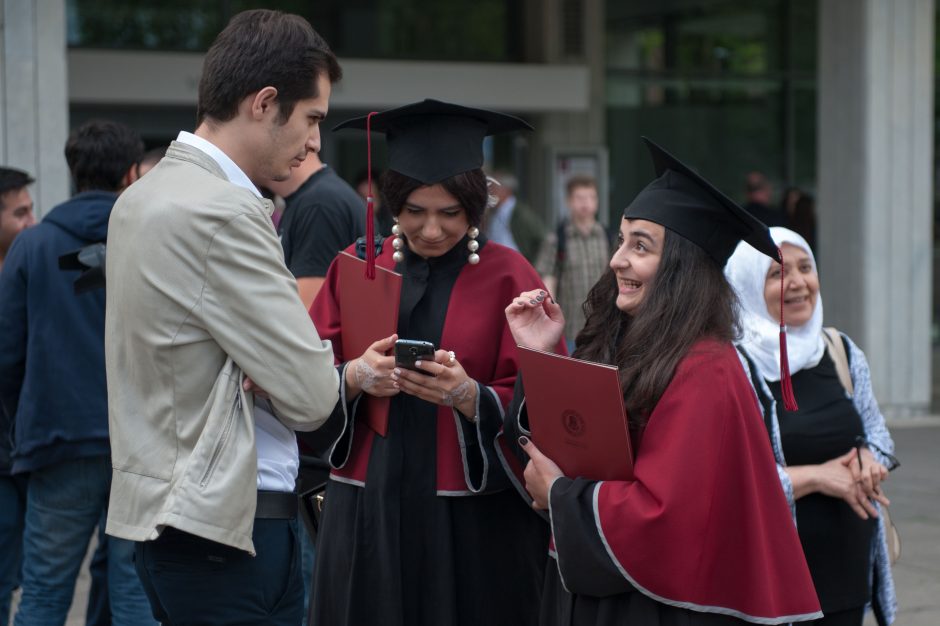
point(535, 320)
point(372, 372)
point(448, 383)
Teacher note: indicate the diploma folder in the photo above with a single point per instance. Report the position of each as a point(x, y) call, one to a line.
point(576, 415)
point(368, 312)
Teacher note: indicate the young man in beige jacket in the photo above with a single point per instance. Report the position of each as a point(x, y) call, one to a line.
point(202, 314)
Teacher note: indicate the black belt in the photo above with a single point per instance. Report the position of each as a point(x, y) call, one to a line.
point(276, 505)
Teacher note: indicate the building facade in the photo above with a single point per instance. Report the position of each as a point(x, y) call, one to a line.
point(835, 97)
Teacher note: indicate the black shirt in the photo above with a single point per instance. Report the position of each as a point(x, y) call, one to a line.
point(324, 216)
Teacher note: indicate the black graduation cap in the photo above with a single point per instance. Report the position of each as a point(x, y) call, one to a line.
point(431, 140)
point(686, 203)
point(90, 260)
point(692, 207)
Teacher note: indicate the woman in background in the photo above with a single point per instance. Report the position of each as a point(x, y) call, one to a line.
point(838, 425)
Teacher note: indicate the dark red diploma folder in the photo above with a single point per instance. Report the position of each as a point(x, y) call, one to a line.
point(576, 415)
point(368, 312)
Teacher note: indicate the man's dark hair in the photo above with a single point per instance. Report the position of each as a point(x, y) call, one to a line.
point(12, 180)
point(578, 181)
point(261, 48)
point(152, 157)
point(100, 152)
point(469, 189)
point(689, 299)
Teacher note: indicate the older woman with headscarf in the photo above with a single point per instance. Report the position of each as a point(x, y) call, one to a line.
point(835, 450)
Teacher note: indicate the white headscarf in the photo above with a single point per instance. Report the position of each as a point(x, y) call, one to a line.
point(746, 270)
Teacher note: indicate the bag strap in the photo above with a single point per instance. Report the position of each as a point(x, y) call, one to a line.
point(839, 356)
point(561, 249)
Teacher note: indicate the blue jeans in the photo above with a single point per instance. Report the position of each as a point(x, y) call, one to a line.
point(12, 510)
point(64, 505)
point(99, 608)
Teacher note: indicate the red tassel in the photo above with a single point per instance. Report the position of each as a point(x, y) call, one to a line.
point(370, 205)
point(370, 238)
point(786, 383)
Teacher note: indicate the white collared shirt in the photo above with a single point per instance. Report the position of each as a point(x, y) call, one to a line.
point(278, 458)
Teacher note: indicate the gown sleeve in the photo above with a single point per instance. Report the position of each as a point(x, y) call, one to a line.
point(706, 499)
point(586, 567)
point(335, 437)
point(484, 446)
point(476, 438)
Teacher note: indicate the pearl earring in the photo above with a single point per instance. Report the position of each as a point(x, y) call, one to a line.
point(398, 256)
point(473, 245)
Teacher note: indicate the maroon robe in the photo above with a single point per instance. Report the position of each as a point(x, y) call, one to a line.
point(704, 529)
point(391, 550)
point(475, 329)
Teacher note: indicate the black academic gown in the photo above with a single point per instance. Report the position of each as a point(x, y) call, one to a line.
point(394, 552)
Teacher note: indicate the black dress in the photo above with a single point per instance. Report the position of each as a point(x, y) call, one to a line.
point(397, 554)
point(837, 542)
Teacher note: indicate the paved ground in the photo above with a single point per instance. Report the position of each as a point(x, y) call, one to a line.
point(914, 490)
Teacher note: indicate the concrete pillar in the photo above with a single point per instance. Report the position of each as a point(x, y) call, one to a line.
point(553, 26)
point(33, 95)
point(875, 156)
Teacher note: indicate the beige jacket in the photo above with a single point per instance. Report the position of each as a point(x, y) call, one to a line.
point(197, 293)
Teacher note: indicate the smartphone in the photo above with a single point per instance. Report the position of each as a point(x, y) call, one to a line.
point(407, 351)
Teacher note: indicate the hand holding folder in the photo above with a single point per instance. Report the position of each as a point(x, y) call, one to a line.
point(576, 415)
point(369, 312)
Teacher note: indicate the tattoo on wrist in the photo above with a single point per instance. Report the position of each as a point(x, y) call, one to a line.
point(460, 393)
point(366, 377)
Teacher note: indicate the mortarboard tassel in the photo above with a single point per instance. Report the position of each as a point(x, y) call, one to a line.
point(786, 383)
point(370, 204)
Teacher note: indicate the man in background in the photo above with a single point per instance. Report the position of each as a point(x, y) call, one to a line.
point(575, 256)
point(322, 216)
point(52, 385)
point(16, 214)
point(16, 207)
point(758, 194)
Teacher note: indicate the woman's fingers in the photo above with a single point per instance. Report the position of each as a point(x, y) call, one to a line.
point(382, 346)
point(866, 503)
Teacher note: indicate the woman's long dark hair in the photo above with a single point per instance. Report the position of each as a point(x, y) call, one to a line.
point(469, 188)
point(688, 300)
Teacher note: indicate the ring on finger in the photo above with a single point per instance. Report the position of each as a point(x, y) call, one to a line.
point(452, 357)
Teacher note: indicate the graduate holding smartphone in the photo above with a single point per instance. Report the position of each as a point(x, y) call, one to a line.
point(421, 525)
